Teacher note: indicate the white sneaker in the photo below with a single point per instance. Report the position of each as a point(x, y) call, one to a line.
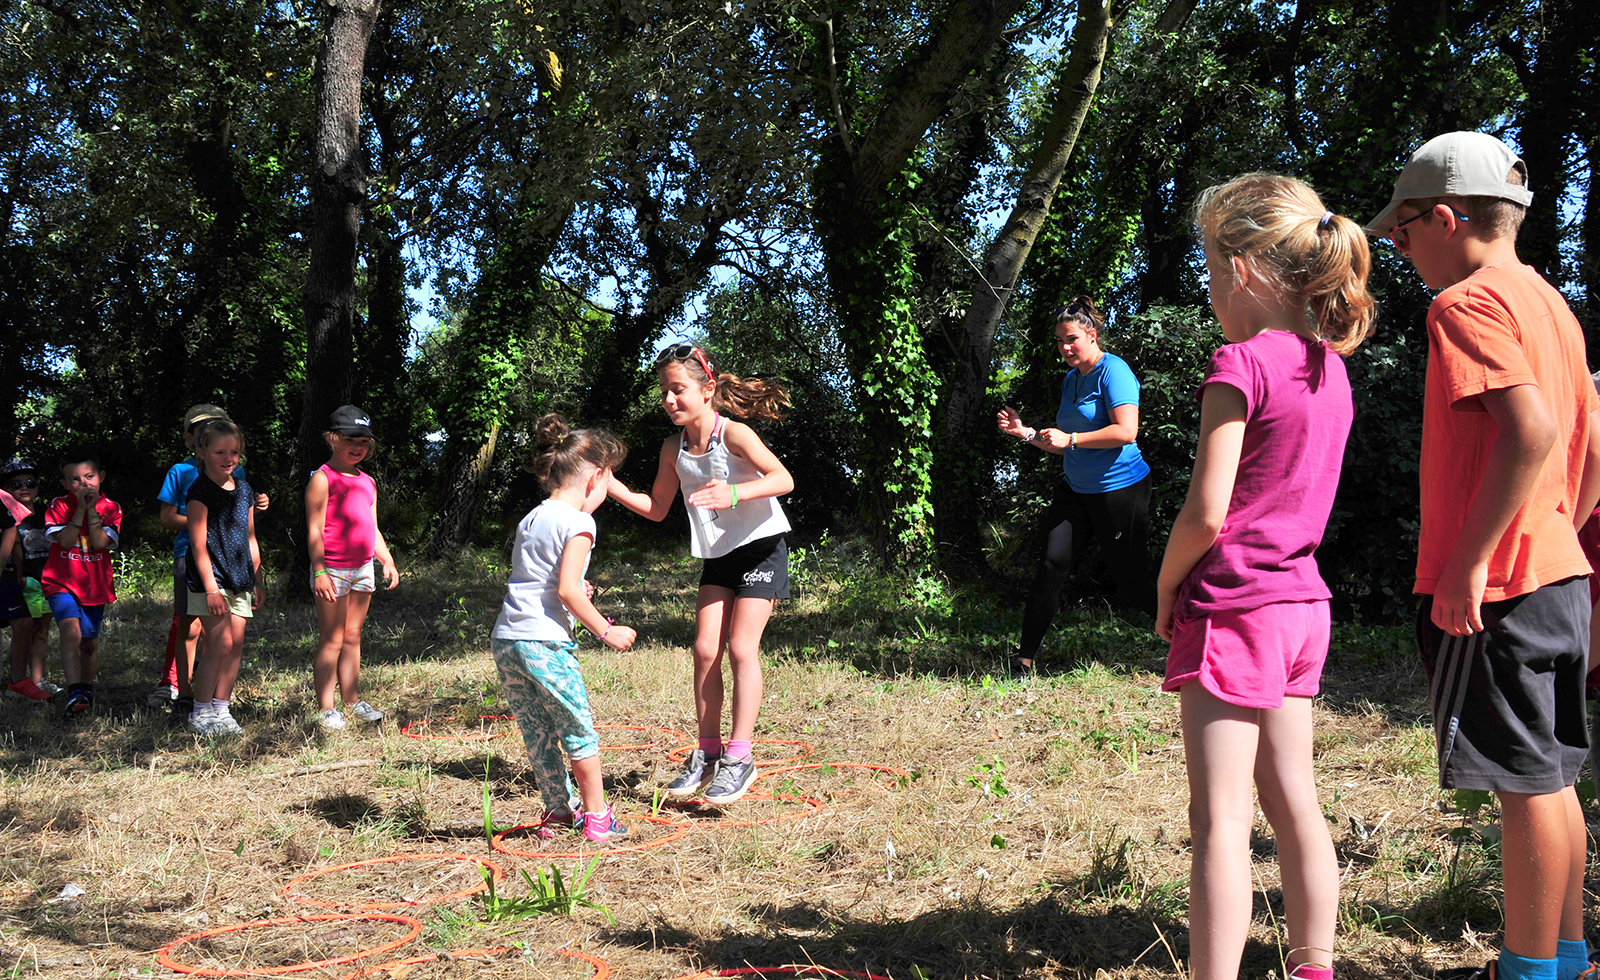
point(226, 725)
point(50, 687)
point(331, 720)
point(203, 726)
point(366, 712)
point(159, 697)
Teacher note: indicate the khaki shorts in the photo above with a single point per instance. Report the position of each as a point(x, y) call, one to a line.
point(239, 603)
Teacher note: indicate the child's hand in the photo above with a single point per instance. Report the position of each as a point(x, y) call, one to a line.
point(588, 590)
point(614, 486)
point(262, 501)
point(1166, 599)
point(619, 638)
point(259, 597)
point(216, 605)
point(1054, 438)
point(1010, 422)
point(87, 495)
point(715, 495)
point(322, 588)
point(391, 575)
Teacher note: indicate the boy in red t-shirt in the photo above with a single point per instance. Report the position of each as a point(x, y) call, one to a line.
point(1510, 463)
point(82, 526)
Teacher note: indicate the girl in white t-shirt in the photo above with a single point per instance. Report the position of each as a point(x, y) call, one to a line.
point(532, 647)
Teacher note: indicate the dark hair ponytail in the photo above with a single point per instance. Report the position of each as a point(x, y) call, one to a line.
point(562, 451)
point(745, 398)
point(1081, 309)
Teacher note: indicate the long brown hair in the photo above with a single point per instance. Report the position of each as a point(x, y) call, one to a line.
point(745, 398)
point(1278, 227)
point(562, 451)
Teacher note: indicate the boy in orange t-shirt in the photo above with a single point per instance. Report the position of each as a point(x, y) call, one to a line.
point(1510, 468)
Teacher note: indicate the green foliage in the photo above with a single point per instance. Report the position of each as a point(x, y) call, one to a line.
point(548, 894)
point(989, 777)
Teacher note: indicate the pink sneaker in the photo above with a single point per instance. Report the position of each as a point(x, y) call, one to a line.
point(603, 826)
point(26, 688)
point(554, 820)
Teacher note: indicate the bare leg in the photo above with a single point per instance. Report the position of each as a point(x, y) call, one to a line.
point(39, 647)
point(1310, 869)
point(21, 643)
point(713, 608)
point(590, 785)
point(750, 617)
point(330, 639)
point(186, 651)
point(1219, 741)
point(1536, 862)
point(70, 631)
point(219, 668)
point(1578, 841)
point(356, 605)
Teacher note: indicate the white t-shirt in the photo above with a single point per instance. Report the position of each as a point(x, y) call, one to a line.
point(532, 610)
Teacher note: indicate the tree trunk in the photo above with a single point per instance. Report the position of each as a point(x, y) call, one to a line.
point(338, 188)
point(458, 507)
point(965, 407)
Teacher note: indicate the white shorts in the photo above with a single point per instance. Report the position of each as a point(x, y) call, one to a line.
point(363, 578)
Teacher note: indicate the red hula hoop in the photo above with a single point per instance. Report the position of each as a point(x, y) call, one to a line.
point(816, 806)
point(494, 870)
point(480, 737)
point(602, 969)
point(669, 732)
point(499, 844)
point(164, 957)
point(681, 753)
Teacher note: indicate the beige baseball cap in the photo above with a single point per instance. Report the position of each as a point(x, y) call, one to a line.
point(202, 413)
point(1455, 165)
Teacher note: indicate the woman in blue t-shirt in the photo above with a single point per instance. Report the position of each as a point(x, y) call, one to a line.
point(1105, 488)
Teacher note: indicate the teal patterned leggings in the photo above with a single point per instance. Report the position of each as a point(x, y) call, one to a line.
point(542, 681)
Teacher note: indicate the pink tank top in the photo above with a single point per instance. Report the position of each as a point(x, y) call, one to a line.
point(349, 533)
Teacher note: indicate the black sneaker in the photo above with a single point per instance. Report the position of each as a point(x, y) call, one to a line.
point(1489, 971)
point(697, 772)
point(181, 708)
point(1022, 673)
point(731, 781)
point(79, 703)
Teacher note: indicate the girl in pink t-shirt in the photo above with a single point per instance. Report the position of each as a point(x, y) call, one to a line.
point(1239, 595)
point(343, 537)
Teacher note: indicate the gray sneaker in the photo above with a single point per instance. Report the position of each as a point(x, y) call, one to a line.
point(331, 720)
point(226, 725)
point(697, 772)
point(207, 726)
point(366, 712)
point(731, 781)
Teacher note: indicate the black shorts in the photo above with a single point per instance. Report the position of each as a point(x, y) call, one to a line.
point(12, 604)
point(758, 570)
point(1508, 708)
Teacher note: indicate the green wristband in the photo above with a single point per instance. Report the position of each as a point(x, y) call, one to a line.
point(323, 572)
point(735, 488)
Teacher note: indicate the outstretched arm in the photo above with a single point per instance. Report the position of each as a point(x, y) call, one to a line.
point(658, 501)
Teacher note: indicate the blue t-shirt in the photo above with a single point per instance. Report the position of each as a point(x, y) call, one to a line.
point(175, 491)
point(1086, 404)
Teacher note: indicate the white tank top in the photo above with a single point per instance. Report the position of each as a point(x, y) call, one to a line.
point(714, 533)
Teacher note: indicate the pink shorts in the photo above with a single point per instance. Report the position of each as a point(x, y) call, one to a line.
point(1253, 658)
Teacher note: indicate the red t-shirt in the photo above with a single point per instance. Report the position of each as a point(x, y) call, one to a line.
point(83, 571)
point(1500, 327)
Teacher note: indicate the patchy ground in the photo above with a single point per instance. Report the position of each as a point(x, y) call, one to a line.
point(917, 819)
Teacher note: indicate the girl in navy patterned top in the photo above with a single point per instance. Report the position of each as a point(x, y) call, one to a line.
point(224, 572)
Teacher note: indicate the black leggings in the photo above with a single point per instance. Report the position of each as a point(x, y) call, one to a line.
point(1121, 520)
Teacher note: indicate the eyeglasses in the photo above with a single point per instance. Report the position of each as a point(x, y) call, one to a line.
point(683, 352)
point(1402, 238)
point(1069, 311)
point(27, 484)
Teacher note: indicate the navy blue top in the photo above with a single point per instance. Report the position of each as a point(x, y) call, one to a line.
point(227, 534)
point(1086, 404)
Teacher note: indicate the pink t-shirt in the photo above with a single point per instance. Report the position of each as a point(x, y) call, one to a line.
point(349, 532)
point(1298, 417)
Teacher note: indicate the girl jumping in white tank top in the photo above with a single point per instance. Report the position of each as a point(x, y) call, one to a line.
point(730, 482)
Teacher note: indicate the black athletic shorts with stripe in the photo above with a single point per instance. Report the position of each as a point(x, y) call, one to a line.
point(1508, 708)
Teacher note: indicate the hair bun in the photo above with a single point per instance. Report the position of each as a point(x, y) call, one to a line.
point(549, 431)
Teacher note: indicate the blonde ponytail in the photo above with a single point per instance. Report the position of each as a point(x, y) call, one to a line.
point(1279, 228)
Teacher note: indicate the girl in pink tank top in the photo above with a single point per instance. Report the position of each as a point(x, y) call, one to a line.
point(343, 538)
point(1239, 595)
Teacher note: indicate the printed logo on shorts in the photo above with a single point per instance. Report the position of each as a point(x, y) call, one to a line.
point(757, 575)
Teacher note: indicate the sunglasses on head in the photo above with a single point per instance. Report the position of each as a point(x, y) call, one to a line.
point(1069, 311)
point(683, 352)
point(26, 483)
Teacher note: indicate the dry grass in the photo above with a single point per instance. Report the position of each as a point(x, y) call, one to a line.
point(1036, 832)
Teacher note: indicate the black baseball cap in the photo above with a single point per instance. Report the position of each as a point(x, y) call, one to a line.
point(348, 420)
point(18, 465)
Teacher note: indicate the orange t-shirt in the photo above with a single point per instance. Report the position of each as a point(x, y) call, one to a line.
point(1500, 327)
